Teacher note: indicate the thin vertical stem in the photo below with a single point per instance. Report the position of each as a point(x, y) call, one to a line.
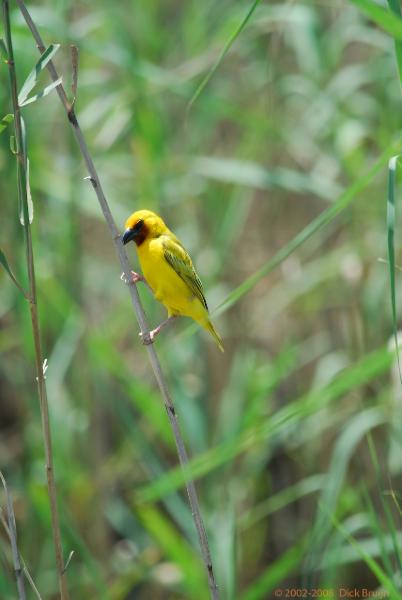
point(139, 312)
point(33, 305)
point(12, 534)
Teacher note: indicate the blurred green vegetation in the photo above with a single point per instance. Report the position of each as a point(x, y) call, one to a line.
point(295, 431)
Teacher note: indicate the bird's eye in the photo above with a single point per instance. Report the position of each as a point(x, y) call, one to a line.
point(138, 225)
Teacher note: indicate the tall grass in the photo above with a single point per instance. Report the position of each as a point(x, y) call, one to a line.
point(276, 184)
point(23, 184)
point(26, 217)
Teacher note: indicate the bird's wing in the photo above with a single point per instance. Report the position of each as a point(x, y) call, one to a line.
point(180, 261)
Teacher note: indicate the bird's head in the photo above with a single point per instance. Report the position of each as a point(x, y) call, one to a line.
point(142, 225)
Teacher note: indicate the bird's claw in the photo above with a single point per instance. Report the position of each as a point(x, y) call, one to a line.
point(147, 337)
point(135, 278)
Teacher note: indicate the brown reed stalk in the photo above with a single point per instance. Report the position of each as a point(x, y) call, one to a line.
point(139, 312)
point(20, 152)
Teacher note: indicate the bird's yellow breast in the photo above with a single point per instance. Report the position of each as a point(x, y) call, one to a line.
point(167, 286)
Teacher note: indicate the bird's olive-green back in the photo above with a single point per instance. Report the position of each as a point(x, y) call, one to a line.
point(177, 257)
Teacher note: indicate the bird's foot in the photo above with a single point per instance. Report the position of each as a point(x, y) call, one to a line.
point(135, 278)
point(148, 336)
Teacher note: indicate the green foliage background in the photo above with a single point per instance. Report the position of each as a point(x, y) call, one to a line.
point(295, 431)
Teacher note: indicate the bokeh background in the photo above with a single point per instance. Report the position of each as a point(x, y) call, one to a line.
point(295, 431)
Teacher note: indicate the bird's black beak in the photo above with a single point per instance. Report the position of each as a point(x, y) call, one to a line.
point(128, 236)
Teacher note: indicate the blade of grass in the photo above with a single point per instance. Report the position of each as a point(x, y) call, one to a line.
point(252, 174)
point(381, 16)
point(294, 492)
point(225, 50)
point(392, 169)
point(395, 7)
point(3, 51)
point(175, 548)
point(315, 225)
point(275, 573)
point(32, 78)
point(4, 262)
point(366, 369)
point(42, 93)
point(143, 397)
point(28, 193)
point(370, 562)
point(375, 524)
point(344, 554)
point(5, 121)
point(323, 219)
point(344, 449)
point(384, 501)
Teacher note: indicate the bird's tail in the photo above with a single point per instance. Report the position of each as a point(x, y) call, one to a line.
point(209, 327)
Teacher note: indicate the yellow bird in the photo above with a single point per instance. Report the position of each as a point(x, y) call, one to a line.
point(168, 270)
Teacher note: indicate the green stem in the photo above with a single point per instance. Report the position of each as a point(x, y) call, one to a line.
point(33, 304)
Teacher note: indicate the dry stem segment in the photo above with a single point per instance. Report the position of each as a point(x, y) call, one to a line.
point(139, 312)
